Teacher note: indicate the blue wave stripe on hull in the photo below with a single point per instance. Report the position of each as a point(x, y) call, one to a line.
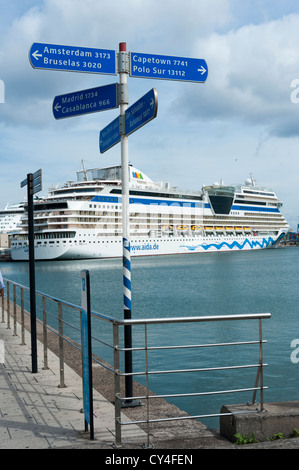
point(252, 244)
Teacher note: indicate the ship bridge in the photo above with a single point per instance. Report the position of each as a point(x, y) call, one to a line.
point(221, 198)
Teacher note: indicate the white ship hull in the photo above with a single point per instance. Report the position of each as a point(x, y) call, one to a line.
point(112, 247)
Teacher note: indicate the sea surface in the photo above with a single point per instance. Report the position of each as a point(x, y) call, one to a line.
point(259, 281)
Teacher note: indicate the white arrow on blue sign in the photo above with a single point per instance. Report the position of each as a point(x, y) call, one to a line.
point(72, 58)
point(168, 67)
point(85, 101)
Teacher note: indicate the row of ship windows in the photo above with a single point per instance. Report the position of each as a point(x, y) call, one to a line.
point(151, 240)
point(102, 241)
point(69, 241)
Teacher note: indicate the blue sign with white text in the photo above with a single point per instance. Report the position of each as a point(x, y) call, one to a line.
point(72, 58)
point(85, 101)
point(168, 67)
point(142, 111)
point(109, 136)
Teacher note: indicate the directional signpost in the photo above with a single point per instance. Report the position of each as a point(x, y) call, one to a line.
point(135, 64)
point(168, 67)
point(34, 185)
point(85, 101)
point(72, 59)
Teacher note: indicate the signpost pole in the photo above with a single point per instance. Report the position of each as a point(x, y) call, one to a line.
point(32, 272)
point(123, 72)
point(34, 185)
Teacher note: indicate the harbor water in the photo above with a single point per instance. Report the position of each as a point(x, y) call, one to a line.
point(195, 285)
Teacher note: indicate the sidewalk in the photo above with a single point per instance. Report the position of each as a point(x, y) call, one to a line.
point(35, 413)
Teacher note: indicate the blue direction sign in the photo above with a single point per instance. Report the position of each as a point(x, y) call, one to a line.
point(72, 59)
point(35, 182)
point(168, 67)
point(141, 112)
point(109, 136)
point(85, 101)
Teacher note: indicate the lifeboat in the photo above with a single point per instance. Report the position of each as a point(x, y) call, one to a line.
point(196, 227)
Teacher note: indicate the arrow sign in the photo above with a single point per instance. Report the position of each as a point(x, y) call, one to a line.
point(168, 67)
point(35, 182)
point(141, 112)
point(109, 136)
point(72, 59)
point(85, 101)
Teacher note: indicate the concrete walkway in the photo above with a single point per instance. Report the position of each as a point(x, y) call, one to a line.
point(35, 413)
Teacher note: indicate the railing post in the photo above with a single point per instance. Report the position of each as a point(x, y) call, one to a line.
point(259, 373)
point(8, 307)
point(61, 348)
point(117, 407)
point(81, 344)
point(45, 335)
point(147, 384)
point(261, 364)
point(14, 311)
point(22, 317)
point(3, 320)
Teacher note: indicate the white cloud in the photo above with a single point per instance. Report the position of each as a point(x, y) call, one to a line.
point(250, 71)
point(237, 122)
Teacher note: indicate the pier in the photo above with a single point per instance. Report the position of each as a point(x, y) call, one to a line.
point(44, 409)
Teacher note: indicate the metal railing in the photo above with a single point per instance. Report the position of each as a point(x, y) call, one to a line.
point(145, 345)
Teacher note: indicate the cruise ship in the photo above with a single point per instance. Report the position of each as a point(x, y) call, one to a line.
point(10, 218)
point(83, 219)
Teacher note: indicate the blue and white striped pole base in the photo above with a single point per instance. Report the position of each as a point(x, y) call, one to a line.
point(130, 402)
point(127, 275)
point(127, 316)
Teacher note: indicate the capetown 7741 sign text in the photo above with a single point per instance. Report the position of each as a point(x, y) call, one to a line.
point(168, 67)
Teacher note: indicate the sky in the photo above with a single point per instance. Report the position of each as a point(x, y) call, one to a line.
point(243, 120)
